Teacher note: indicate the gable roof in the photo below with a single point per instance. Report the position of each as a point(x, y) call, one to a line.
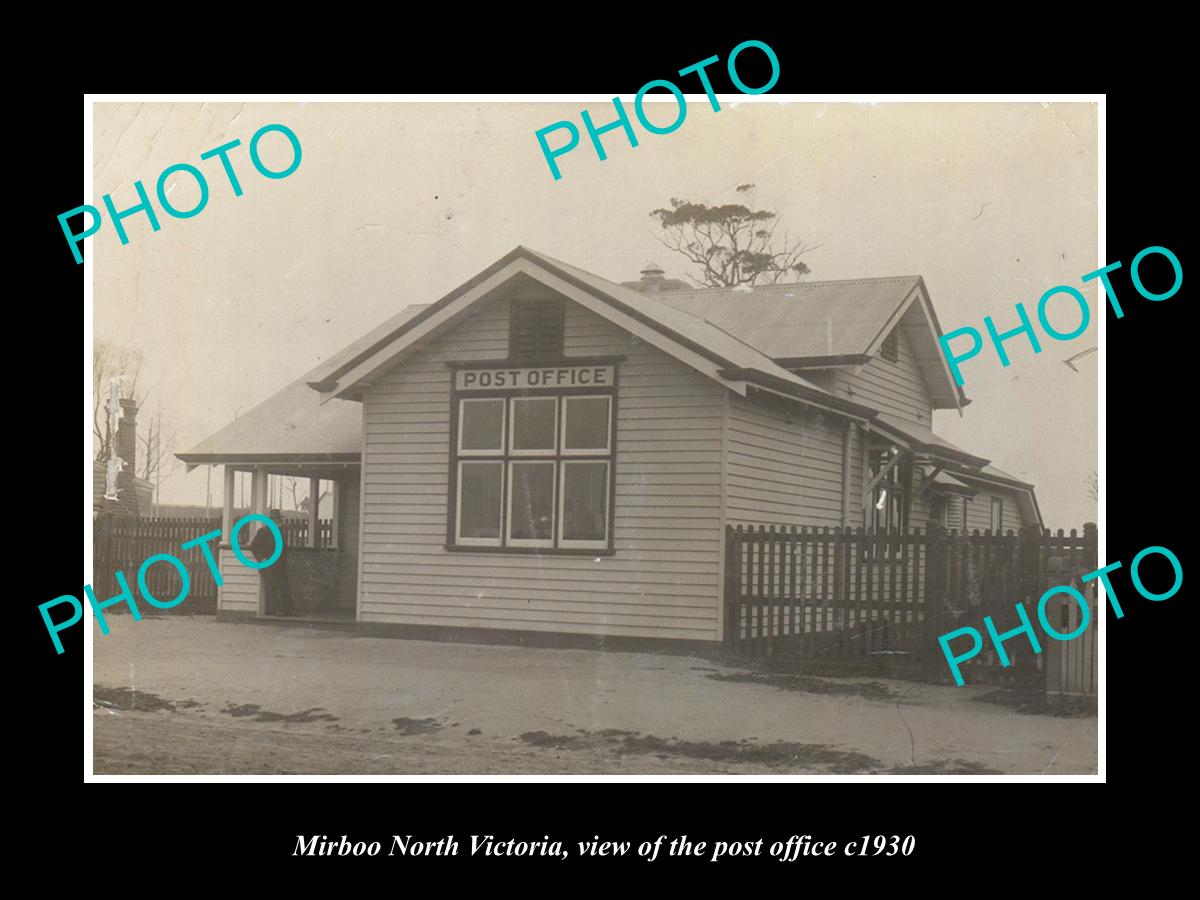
point(702, 345)
point(769, 329)
point(798, 321)
point(815, 324)
point(291, 424)
point(374, 338)
point(733, 348)
point(946, 483)
point(918, 437)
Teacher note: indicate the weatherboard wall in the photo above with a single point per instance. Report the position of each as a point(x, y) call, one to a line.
point(663, 579)
point(240, 591)
point(979, 511)
point(897, 387)
point(784, 466)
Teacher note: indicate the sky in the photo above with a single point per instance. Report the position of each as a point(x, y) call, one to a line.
point(399, 203)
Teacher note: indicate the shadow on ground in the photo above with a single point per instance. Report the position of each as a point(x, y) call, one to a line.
point(784, 754)
point(257, 714)
point(1036, 703)
point(127, 699)
point(787, 681)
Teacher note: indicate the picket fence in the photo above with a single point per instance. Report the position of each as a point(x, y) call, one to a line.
point(833, 593)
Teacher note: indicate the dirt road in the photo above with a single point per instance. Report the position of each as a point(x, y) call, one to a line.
point(185, 695)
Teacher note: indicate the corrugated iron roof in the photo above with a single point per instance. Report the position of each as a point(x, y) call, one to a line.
point(733, 350)
point(973, 469)
point(810, 324)
point(925, 439)
point(945, 479)
point(808, 319)
point(741, 329)
point(291, 423)
point(1000, 473)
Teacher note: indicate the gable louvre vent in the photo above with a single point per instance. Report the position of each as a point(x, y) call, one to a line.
point(536, 330)
point(890, 348)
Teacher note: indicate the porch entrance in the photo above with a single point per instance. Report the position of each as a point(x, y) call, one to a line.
point(318, 505)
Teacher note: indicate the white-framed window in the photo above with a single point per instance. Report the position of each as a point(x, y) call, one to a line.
point(534, 429)
point(997, 515)
point(531, 503)
point(533, 472)
point(481, 426)
point(583, 503)
point(586, 425)
point(479, 508)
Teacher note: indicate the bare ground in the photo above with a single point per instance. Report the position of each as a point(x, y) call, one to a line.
point(179, 695)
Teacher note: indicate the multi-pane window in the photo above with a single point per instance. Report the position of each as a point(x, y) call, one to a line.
point(534, 472)
point(997, 515)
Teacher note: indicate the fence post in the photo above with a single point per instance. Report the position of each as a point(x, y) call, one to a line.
point(731, 575)
point(1032, 561)
point(771, 587)
point(934, 601)
point(1091, 546)
point(1089, 647)
point(739, 554)
point(102, 555)
point(841, 617)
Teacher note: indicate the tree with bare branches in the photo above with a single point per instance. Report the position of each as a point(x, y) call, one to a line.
point(305, 504)
point(296, 487)
point(732, 244)
point(155, 461)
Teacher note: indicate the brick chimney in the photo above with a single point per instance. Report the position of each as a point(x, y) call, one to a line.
point(125, 443)
point(124, 446)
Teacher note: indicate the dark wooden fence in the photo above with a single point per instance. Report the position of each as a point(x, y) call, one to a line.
point(834, 593)
point(295, 532)
point(985, 574)
point(123, 544)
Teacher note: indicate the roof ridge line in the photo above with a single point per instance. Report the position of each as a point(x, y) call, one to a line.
point(793, 284)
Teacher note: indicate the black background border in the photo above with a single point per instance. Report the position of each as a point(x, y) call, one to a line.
point(208, 830)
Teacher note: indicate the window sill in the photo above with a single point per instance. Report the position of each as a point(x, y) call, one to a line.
point(530, 551)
